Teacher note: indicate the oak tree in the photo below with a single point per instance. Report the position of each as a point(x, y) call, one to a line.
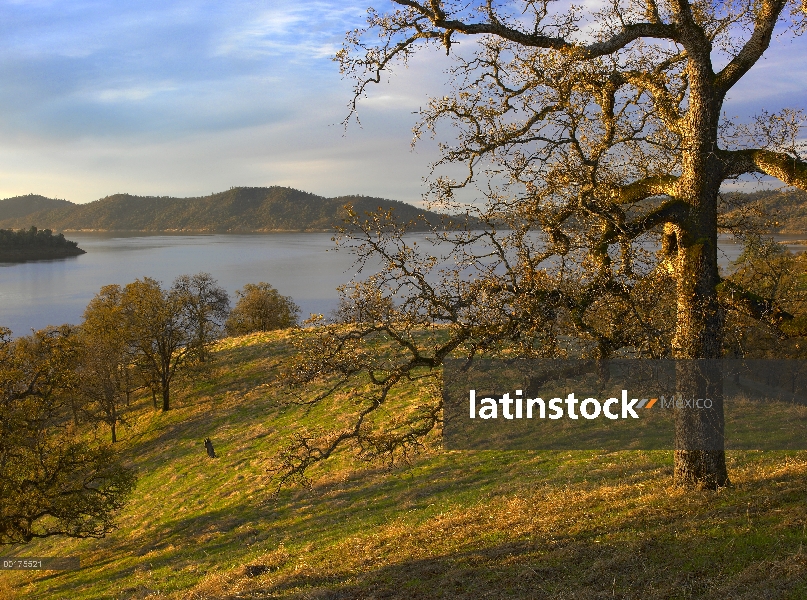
point(107, 358)
point(592, 135)
point(55, 478)
point(206, 306)
point(261, 308)
point(155, 319)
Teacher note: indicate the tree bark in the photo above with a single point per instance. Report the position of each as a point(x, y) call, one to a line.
point(700, 458)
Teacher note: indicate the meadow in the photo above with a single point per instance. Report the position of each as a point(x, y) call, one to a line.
point(450, 524)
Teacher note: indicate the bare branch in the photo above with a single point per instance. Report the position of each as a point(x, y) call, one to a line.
point(766, 19)
point(788, 169)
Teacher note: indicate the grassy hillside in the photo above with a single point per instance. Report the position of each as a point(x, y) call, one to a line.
point(236, 210)
point(452, 525)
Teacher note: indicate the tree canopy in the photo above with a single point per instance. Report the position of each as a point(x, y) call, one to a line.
point(261, 308)
point(54, 479)
point(594, 137)
point(33, 243)
point(206, 306)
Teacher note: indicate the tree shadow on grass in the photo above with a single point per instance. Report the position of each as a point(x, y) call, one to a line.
point(568, 569)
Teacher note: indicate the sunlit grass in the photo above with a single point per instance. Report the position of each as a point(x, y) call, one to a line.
point(452, 524)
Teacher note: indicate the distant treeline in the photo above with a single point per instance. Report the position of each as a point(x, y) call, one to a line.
point(33, 243)
point(238, 210)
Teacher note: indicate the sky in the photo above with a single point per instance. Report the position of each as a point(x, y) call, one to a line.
point(187, 98)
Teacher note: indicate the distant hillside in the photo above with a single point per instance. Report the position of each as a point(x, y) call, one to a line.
point(244, 210)
point(237, 210)
point(20, 206)
point(777, 211)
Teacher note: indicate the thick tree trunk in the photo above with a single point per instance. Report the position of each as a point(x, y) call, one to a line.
point(700, 457)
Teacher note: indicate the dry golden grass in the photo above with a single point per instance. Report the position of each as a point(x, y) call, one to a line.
point(582, 525)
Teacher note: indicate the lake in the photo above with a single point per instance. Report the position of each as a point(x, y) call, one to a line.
point(301, 265)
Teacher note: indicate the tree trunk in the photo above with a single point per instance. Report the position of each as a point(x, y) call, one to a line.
point(700, 458)
point(201, 340)
point(165, 390)
point(165, 376)
point(126, 378)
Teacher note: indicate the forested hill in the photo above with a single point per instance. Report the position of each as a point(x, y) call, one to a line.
point(236, 210)
point(777, 211)
point(276, 208)
point(20, 206)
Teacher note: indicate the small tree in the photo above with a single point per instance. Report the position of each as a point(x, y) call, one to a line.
point(362, 302)
point(207, 306)
point(54, 478)
point(261, 308)
point(159, 330)
point(106, 357)
point(767, 297)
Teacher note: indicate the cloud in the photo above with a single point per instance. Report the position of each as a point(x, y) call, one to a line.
point(188, 97)
point(302, 31)
point(134, 94)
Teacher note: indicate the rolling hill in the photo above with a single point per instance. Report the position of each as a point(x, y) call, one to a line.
point(238, 210)
point(586, 525)
point(776, 211)
point(266, 209)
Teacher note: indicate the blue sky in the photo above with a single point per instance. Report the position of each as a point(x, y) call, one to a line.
point(189, 97)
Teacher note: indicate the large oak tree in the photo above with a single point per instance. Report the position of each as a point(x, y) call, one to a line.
point(589, 134)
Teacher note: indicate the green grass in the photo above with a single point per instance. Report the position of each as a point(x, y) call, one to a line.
point(451, 525)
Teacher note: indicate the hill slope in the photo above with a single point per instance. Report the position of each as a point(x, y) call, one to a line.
point(236, 210)
point(776, 211)
point(242, 210)
point(21, 206)
point(468, 525)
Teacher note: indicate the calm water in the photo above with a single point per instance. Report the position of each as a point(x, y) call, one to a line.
point(303, 266)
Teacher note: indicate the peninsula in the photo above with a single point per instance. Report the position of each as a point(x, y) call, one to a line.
point(35, 244)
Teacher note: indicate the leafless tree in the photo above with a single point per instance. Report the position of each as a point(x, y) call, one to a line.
point(206, 305)
point(591, 135)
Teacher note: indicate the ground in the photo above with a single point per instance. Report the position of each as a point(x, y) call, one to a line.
point(449, 525)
